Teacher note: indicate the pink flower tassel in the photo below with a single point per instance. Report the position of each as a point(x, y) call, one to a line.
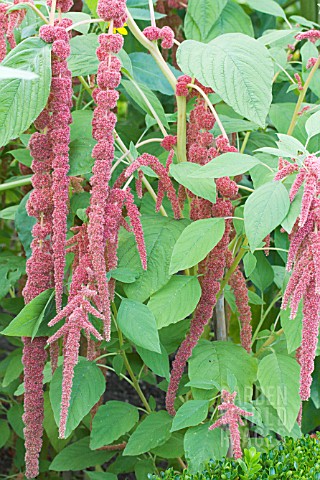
point(232, 418)
point(34, 358)
point(238, 284)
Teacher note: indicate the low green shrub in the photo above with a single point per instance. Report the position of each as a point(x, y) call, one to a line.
point(290, 459)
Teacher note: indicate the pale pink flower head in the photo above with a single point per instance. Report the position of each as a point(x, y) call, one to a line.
point(311, 35)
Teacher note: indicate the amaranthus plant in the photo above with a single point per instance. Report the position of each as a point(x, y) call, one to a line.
point(160, 233)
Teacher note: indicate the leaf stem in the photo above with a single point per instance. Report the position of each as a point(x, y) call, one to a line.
point(152, 15)
point(302, 97)
point(52, 12)
point(182, 129)
point(269, 341)
point(211, 107)
point(14, 184)
point(35, 9)
point(264, 316)
point(243, 250)
point(127, 364)
point(85, 85)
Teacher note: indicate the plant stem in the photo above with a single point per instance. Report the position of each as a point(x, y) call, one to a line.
point(153, 49)
point(221, 327)
point(264, 316)
point(245, 141)
point(302, 96)
point(36, 10)
point(182, 129)
point(243, 250)
point(85, 85)
point(128, 366)
point(16, 183)
point(152, 110)
point(269, 342)
point(52, 12)
point(152, 16)
point(211, 107)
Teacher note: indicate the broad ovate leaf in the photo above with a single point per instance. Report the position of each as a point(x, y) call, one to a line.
point(22, 99)
point(237, 67)
point(278, 376)
point(264, 210)
point(200, 18)
point(227, 164)
point(195, 242)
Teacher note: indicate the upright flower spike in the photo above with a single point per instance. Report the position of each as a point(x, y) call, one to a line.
point(104, 120)
point(232, 418)
point(59, 104)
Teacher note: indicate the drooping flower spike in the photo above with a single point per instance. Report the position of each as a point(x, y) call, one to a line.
point(232, 418)
point(76, 313)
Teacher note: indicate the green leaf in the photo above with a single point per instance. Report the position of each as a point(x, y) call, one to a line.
point(111, 421)
point(313, 125)
point(14, 369)
point(22, 155)
point(81, 143)
point(144, 14)
point(87, 387)
point(146, 70)
point(278, 376)
point(202, 187)
point(160, 236)
point(195, 242)
point(294, 212)
point(202, 445)
point(176, 300)
point(50, 425)
point(11, 269)
point(134, 91)
point(14, 416)
point(83, 59)
point(201, 16)
point(263, 275)
point(7, 72)
point(101, 476)
point(153, 431)
point(77, 17)
point(173, 448)
point(79, 456)
point(292, 328)
point(157, 362)
point(232, 19)
point(264, 210)
point(232, 63)
point(249, 263)
point(4, 433)
point(212, 363)
point(24, 224)
point(22, 100)
point(27, 322)
point(267, 6)
point(190, 414)
point(227, 164)
point(138, 324)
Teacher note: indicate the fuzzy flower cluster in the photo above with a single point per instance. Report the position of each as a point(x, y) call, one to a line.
point(62, 5)
point(232, 418)
point(165, 34)
point(9, 21)
point(103, 124)
point(113, 10)
point(304, 262)
point(311, 35)
point(56, 118)
point(177, 3)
